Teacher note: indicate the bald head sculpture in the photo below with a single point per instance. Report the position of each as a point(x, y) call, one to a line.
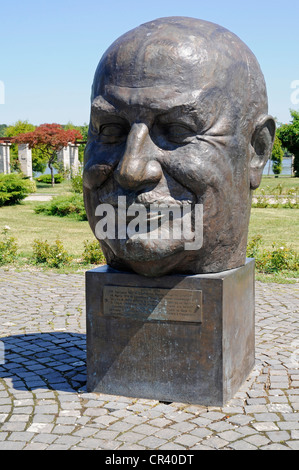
point(179, 119)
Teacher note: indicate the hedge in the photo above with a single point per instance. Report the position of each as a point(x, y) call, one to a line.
point(14, 188)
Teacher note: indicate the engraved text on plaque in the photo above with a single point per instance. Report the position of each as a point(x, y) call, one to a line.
point(147, 303)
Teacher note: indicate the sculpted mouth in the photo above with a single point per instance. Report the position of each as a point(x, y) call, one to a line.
point(143, 200)
point(153, 213)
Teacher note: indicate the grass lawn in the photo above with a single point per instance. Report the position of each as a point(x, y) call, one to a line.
point(279, 226)
point(275, 225)
point(26, 226)
point(58, 190)
point(269, 184)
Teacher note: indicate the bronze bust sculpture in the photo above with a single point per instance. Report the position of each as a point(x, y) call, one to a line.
point(179, 118)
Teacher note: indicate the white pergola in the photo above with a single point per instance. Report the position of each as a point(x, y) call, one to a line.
point(69, 156)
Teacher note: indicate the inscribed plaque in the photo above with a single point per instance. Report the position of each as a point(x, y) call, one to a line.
point(147, 303)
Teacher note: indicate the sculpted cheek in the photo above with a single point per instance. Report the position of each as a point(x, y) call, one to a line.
point(99, 165)
point(199, 168)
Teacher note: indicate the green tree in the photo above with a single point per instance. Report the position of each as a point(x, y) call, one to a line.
point(39, 160)
point(288, 134)
point(277, 157)
point(17, 128)
point(2, 130)
point(50, 139)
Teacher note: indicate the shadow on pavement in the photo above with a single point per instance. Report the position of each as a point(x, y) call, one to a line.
point(55, 361)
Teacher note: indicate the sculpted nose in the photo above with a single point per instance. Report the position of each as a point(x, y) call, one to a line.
point(137, 168)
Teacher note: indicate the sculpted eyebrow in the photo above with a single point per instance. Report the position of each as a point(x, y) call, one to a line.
point(162, 108)
point(100, 105)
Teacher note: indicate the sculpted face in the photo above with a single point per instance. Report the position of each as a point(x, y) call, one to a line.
point(178, 119)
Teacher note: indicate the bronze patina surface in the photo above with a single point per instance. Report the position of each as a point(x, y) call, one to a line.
point(178, 117)
point(168, 358)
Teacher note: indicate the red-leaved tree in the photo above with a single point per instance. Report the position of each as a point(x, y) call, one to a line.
point(50, 139)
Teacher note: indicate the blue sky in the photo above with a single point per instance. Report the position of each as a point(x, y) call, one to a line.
point(50, 49)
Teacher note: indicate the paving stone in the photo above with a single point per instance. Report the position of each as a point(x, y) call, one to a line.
point(274, 447)
point(187, 440)
point(63, 429)
point(293, 444)
point(278, 436)
point(3, 417)
point(35, 446)
point(67, 440)
point(288, 425)
point(172, 446)
point(246, 430)
point(152, 442)
point(9, 445)
point(215, 442)
point(266, 426)
point(41, 418)
point(279, 408)
point(160, 422)
point(242, 445)
point(13, 426)
point(221, 426)
point(58, 413)
point(257, 440)
point(201, 432)
point(120, 426)
point(130, 436)
point(45, 438)
point(40, 427)
point(146, 429)
point(240, 419)
point(106, 435)
point(183, 426)
point(267, 417)
point(167, 433)
point(229, 436)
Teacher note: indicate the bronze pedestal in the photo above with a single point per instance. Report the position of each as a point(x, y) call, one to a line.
point(183, 338)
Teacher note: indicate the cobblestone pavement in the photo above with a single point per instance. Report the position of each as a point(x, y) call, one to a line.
point(44, 404)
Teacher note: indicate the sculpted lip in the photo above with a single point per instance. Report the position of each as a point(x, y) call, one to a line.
point(145, 199)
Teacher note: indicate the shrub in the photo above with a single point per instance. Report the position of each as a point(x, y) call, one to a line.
point(47, 178)
point(77, 182)
point(54, 256)
point(253, 246)
point(261, 200)
point(8, 247)
point(280, 258)
point(14, 188)
point(92, 253)
point(63, 206)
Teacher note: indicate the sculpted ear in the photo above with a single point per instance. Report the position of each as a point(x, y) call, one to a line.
point(262, 143)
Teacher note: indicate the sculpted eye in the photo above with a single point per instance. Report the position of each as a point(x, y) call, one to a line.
point(178, 131)
point(170, 134)
point(113, 133)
